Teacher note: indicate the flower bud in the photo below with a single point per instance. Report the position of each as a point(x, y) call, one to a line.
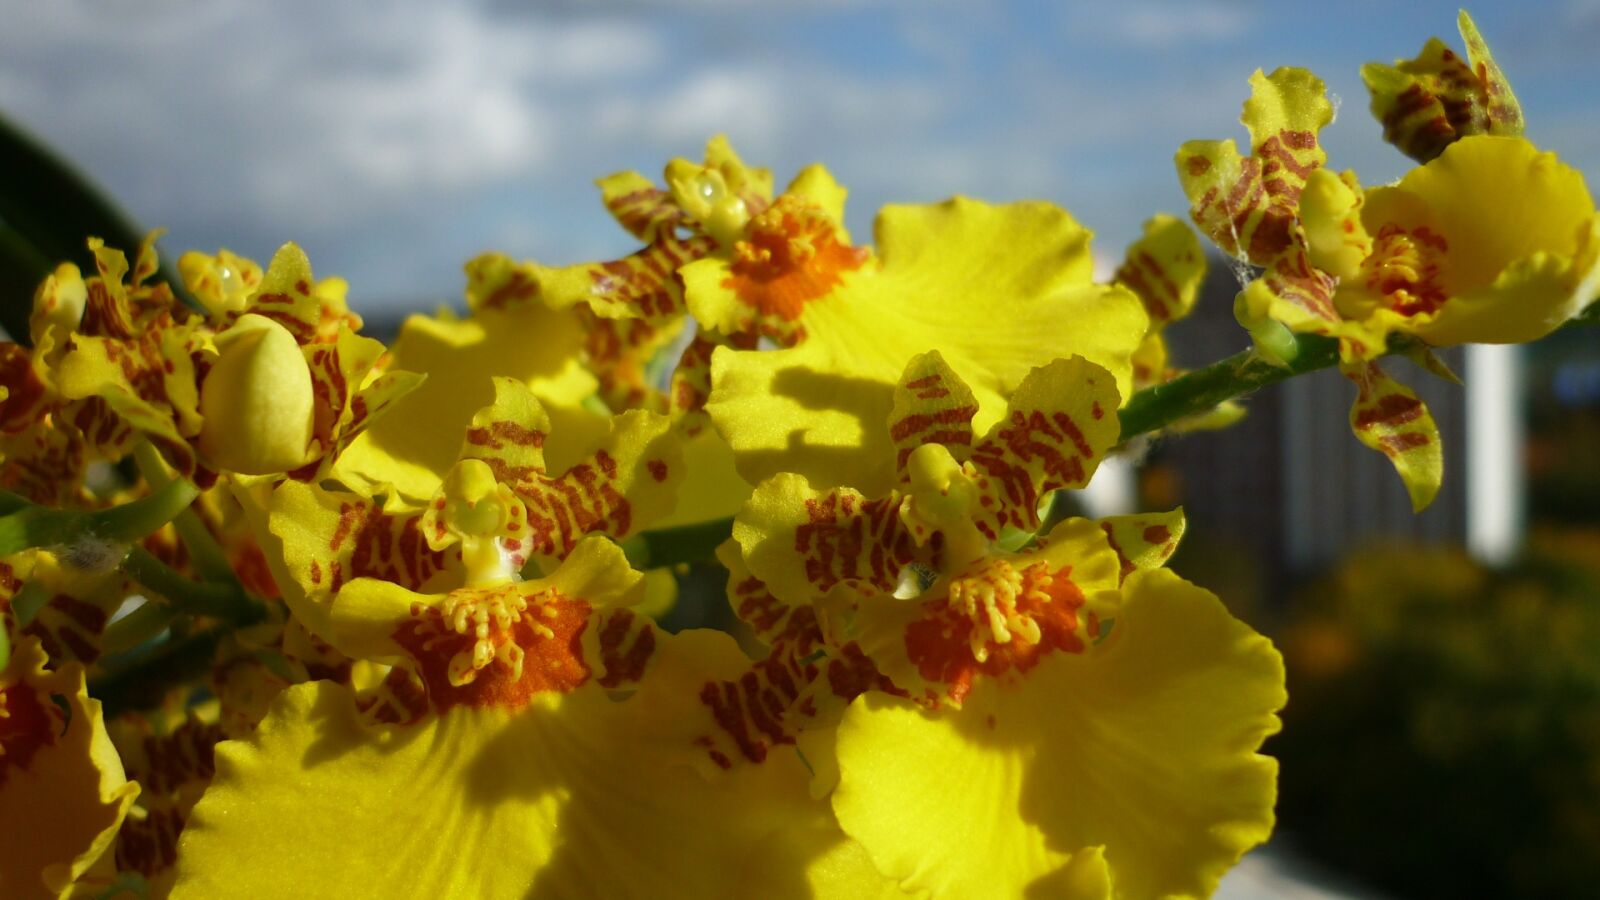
point(257, 400)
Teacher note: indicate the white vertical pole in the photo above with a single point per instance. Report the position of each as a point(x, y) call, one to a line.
point(1495, 482)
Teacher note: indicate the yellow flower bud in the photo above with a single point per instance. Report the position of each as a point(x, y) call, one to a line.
point(58, 303)
point(257, 400)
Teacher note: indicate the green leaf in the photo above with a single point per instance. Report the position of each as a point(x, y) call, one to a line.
point(48, 210)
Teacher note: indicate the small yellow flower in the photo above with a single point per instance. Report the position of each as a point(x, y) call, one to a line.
point(1492, 242)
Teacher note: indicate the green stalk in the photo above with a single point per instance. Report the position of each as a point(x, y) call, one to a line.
point(225, 600)
point(1200, 391)
point(205, 553)
point(26, 525)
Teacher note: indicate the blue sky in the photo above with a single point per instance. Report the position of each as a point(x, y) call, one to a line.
point(394, 139)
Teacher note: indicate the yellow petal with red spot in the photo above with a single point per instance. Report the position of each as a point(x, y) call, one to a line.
point(997, 290)
point(932, 405)
point(1144, 540)
point(1426, 103)
point(330, 538)
point(1246, 204)
point(63, 793)
point(711, 488)
point(1060, 422)
point(1391, 419)
point(461, 358)
point(629, 482)
point(1144, 746)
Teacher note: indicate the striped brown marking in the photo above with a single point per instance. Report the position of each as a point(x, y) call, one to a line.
point(849, 539)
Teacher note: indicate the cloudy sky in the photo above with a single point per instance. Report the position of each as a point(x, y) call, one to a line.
point(395, 138)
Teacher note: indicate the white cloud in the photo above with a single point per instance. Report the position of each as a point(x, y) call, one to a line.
point(1164, 24)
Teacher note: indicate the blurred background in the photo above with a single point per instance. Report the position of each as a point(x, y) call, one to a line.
point(1444, 733)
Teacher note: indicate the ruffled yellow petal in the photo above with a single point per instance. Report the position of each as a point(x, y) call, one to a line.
point(1143, 745)
point(1437, 98)
point(997, 290)
point(573, 795)
point(1391, 419)
point(1246, 204)
point(461, 357)
point(63, 793)
point(1493, 242)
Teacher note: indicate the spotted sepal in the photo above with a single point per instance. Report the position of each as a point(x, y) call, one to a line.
point(932, 405)
point(1391, 419)
point(1144, 540)
point(1247, 204)
point(1433, 100)
point(802, 542)
point(1060, 422)
point(1165, 267)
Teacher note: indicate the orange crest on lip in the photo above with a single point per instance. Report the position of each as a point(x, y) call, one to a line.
point(791, 255)
point(497, 647)
point(996, 619)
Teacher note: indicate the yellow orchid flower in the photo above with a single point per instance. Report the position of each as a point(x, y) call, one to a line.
point(903, 643)
point(1122, 753)
point(1492, 242)
point(330, 538)
point(1429, 102)
point(290, 383)
point(630, 308)
point(128, 367)
point(512, 751)
point(996, 289)
point(1252, 207)
point(63, 792)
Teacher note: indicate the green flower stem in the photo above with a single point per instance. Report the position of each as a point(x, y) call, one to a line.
point(1201, 390)
point(25, 525)
point(204, 552)
point(225, 600)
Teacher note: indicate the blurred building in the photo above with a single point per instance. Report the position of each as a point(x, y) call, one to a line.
point(1290, 490)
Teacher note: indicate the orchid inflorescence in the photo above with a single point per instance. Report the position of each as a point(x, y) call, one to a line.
point(290, 613)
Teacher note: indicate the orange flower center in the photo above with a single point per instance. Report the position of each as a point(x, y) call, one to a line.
point(791, 255)
point(496, 647)
point(996, 619)
point(1404, 268)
